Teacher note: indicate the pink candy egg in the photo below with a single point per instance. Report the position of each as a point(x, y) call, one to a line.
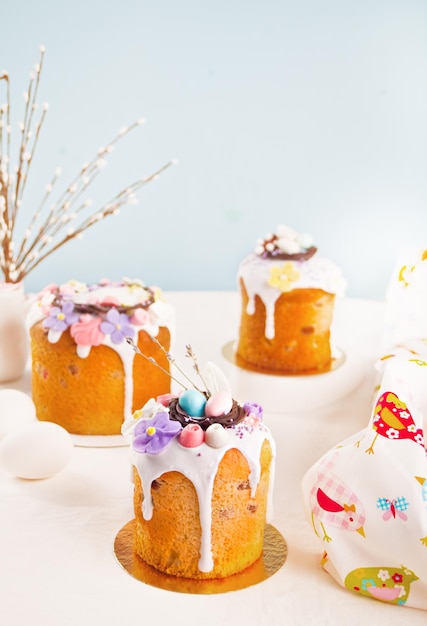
point(220, 403)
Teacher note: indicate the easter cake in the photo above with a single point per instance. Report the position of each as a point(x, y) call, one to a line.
point(83, 374)
point(203, 469)
point(288, 296)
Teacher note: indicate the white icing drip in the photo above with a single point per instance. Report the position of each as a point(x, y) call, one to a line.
point(54, 335)
point(200, 466)
point(317, 272)
point(83, 351)
point(127, 356)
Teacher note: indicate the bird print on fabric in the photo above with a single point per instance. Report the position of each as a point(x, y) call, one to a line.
point(393, 420)
point(388, 584)
point(333, 503)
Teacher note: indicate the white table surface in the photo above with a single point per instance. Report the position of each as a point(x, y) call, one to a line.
point(57, 563)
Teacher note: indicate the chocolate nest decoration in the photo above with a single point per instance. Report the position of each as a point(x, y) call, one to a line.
point(99, 309)
point(233, 417)
point(279, 254)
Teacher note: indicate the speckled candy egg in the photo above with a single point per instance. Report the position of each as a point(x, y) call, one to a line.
point(192, 402)
point(38, 450)
point(219, 403)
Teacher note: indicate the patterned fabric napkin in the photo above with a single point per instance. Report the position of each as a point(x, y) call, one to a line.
point(366, 499)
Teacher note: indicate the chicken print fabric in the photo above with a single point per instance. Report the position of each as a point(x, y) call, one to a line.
point(366, 499)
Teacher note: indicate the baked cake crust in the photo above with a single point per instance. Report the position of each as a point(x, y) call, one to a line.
point(301, 343)
point(86, 396)
point(170, 541)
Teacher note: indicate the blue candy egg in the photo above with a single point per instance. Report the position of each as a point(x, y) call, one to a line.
point(192, 402)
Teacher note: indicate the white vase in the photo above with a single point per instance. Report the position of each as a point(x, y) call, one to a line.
point(14, 340)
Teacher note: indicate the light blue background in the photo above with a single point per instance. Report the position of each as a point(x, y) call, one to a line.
point(309, 113)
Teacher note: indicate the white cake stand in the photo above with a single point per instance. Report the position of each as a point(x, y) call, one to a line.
point(278, 393)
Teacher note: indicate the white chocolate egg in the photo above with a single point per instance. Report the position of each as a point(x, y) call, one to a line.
point(289, 246)
point(17, 410)
point(219, 403)
point(216, 436)
point(38, 450)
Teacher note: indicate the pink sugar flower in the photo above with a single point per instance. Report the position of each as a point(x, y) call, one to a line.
point(86, 332)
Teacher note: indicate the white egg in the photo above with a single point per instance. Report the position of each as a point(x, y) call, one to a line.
point(16, 410)
point(38, 450)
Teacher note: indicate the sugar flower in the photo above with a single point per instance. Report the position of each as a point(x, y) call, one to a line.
point(117, 325)
point(149, 410)
point(60, 318)
point(253, 408)
point(283, 277)
point(154, 435)
point(86, 331)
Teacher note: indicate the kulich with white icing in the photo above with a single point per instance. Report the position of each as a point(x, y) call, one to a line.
point(82, 369)
point(202, 498)
point(284, 278)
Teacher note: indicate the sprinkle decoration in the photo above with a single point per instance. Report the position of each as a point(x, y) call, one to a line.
point(67, 217)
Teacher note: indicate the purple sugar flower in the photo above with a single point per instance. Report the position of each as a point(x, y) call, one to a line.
point(117, 325)
point(254, 408)
point(60, 318)
point(155, 434)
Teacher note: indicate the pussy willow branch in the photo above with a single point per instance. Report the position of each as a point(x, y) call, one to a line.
point(30, 107)
point(40, 242)
point(109, 209)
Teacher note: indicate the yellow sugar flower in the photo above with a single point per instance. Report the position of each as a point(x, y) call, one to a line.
point(283, 277)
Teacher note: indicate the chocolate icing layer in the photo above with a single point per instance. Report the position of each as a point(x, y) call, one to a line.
point(235, 415)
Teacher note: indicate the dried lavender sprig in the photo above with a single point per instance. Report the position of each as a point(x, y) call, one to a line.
point(172, 360)
point(152, 360)
point(190, 354)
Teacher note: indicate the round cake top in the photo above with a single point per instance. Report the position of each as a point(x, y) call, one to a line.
point(285, 261)
point(103, 313)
